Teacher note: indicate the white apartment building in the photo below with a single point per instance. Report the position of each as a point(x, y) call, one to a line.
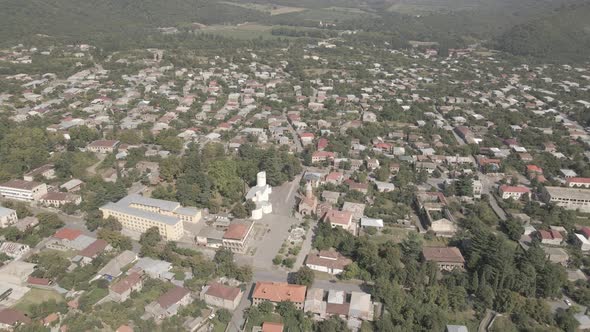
point(138, 213)
point(23, 190)
point(7, 217)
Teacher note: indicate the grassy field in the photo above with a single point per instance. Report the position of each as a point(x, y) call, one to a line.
point(240, 31)
point(273, 318)
point(268, 8)
point(36, 296)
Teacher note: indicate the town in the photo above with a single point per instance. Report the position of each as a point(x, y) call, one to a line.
point(323, 186)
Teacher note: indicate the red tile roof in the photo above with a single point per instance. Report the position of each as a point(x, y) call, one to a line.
point(94, 248)
point(126, 283)
point(172, 296)
point(236, 231)
point(12, 317)
point(272, 327)
point(39, 281)
point(514, 189)
point(222, 291)
point(578, 180)
point(443, 254)
point(586, 231)
point(67, 233)
point(339, 217)
point(279, 292)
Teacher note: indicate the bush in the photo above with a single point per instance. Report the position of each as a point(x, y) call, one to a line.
point(289, 262)
point(277, 260)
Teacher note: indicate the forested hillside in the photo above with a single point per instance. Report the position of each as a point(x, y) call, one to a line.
point(538, 28)
point(83, 18)
point(564, 34)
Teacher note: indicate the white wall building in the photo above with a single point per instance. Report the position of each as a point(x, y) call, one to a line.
point(23, 190)
point(260, 195)
point(7, 217)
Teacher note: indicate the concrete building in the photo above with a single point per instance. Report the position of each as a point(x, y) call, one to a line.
point(568, 198)
point(103, 146)
point(57, 199)
point(7, 217)
point(46, 171)
point(477, 188)
point(138, 213)
point(23, 190)
point(121, 290)
point(236, 236)
point(330, 262)
point(576, 182)
point(260, 195)
point(276, 292)
point(342, 219)
point(514, 192)
point(447, 258)
point(220, 295)
point(14, 250)
point(168, 304)
point(443, 227)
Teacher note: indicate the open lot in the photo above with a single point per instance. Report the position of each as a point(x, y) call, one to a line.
point(36, 296)
point(271, 9)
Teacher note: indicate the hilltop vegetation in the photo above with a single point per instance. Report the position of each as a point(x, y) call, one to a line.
point(562, 35)
point(527, 27)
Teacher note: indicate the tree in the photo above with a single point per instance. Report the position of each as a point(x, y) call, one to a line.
point(151, 237)
point(266, 307)
point(411, 246)
point(305, 276)
point(223, 315)
point(332, 324)
point(513, 228)
point(565, 320)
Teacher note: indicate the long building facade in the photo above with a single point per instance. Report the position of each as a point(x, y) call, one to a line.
point(568, 198)
point(138, 214)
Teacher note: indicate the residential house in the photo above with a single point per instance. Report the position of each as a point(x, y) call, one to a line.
point(335, 178)
point(88, 254)
point(114, 267)
point(169, 303)
point(46, 171)
point(342, 219)
point(556, 255)
point(330, 262)
point(443, 227)
point(220, 295)
point(446, 258)
point(551, 237)
point(102, 146)
point(367, 222)
point(121, 290)
point(320, 156)
point(514, 192)
point(330, 196)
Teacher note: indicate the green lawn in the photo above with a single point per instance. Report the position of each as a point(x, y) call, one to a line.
point(219, 327)
point(273, 318)
point(36, 296)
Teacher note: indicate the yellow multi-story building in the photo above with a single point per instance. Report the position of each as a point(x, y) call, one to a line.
point(138, 213)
